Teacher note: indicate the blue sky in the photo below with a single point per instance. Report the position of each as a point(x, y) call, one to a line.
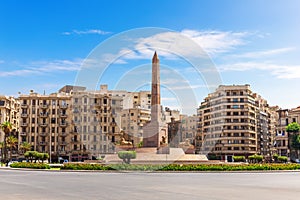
point(43, 44)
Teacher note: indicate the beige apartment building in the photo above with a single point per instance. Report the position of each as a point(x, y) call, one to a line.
point(229, 123)
point(9, 111)
point(189, 127)
point(133, 121)
point(285, 117)
point(45, 122)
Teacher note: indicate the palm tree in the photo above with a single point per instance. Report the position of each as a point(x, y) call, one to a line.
point(6, 128)
point(25, 146)
point(11, 142)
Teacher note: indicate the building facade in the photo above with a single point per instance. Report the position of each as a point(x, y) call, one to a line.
point(282, 142)
point(45, 122)
point(230, 123)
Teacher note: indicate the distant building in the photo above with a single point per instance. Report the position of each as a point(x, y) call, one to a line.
point(282, 139)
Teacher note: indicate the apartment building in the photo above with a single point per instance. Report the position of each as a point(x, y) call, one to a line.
point(230, 121)
point(9, 111)
point(132, 123)
point(285, 117)
point(189, 127)
point(45, 123)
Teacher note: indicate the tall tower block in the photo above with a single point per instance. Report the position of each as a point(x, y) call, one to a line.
point(152, 130)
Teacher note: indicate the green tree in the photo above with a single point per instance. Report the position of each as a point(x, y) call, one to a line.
point(294, 137)
point(6, 127)
point(25, 146)
point(126, 156)
point(44, 156)
point(31, 155)
point(293, 127)
point(11, 143)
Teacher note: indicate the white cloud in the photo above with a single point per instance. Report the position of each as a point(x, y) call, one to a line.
point(259, 54)
point(42, 67)
point(279, 71)
point(90, 31)
point(188, 43)
point(216, 41)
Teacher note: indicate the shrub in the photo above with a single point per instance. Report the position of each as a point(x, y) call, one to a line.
point(30, 165)
point(256, 158)
point(82, 166)
point(239, 158)
point(126, 156)
point(282, 159)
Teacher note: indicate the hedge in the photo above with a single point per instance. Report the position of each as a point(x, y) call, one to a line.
point(184, 167)
point(30, 165)
point(239, 158)
point(171, 167)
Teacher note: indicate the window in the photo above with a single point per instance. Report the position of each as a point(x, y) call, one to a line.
point(85, 100)
point(95, 138)
point(53, 111)
point(32, 138)
point(113, 102)
point(53, 120)
point(76, 100)
point(235, 106)
point(32, 129)
point(104, 101)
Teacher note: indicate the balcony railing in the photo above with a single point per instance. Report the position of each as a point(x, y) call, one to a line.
point(43, 114)
point(43, 124)
point(24, 124)
point(63, 124)
point(24, 115)
point(63, 115)
point(43, 143)
point(44, 106)
point(63, 106)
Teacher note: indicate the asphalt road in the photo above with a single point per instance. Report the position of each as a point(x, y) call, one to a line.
point(15, 184)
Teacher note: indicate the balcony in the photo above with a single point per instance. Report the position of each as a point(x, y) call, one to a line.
point(43, 134)
point(43, 115)
point(63, 143)
point(24, 115)
point(63, 124)
point(113, 123)
point(63, 115)
point(64, 106)
point(63, 134)
point(24, 124)
point(74, 141)
point(43, 143)
point(44, 106)
point(23, 133)
point(43, 124)
point(24, 105)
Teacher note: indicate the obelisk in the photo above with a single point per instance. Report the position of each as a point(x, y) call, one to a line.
point(151, 132)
